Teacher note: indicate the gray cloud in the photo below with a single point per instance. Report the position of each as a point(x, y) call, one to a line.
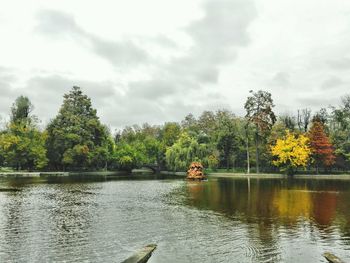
point(114, 108)
point(7, 91)
point(281, 79)
point(46, 93)
point(56, 84)
point(164, 76)
point(224, 25)
point(152, 89)
point(164, 41)
point(55, 23)
point(118, 53)
point(218, 34)
point(316, 102)
point(339, 64)
point(7, 75)
point(176, 86)
point(216, 37)
point(331, 83)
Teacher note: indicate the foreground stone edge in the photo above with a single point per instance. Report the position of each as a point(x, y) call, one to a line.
point(332, 258)
point(141, 256)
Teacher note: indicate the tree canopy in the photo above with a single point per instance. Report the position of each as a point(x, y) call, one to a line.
point(185, 150)
point(291, 151)
point(322, 149)
point(21, 109)
point(259, 112)
point(22, 144)
point(75, 139)
point(76, 135)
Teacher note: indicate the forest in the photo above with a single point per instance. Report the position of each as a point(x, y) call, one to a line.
point(76, 140)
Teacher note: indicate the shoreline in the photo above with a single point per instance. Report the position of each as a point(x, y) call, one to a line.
point(60, 174)
point(280, 176)
point(115, 174)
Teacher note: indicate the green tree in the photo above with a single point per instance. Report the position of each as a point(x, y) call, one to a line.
point(129, 155)
point(184, 151)
point(152, 147)
point(226, 136)
point(190, 123)
point(170, 133)
point(213, 161)
point(321, 116)
point(259, 112)
point(22, 145)
point(76, 137)
point(288, 121)
point(21, 109)
point(149, 137)
point(339, 131)
point(207, 123)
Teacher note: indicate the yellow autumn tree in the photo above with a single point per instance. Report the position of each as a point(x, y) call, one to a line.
point(291, 151)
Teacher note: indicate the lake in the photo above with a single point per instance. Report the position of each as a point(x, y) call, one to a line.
point(219, 220)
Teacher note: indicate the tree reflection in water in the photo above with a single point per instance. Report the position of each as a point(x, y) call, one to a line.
point(277, 205)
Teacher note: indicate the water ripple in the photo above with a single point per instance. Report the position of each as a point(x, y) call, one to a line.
point(211, 222)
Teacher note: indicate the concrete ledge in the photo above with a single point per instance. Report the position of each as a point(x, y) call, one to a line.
point(20, 174)
point(280, 176)
point(332, 258)
point(173, 173)
point(141, 256)
point(54, 174)
point(60, 174)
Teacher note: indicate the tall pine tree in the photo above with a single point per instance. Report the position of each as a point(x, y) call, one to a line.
point(76, 137)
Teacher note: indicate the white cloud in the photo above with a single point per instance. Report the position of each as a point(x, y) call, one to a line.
point(157, 60)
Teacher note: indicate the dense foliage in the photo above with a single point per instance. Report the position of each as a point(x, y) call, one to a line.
point(185, 150)
point(322, 149)
point(22, 144)
point(291, 151)
point(75, 139)
point(259, 112)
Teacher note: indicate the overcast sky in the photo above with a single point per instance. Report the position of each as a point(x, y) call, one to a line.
point(158, 60)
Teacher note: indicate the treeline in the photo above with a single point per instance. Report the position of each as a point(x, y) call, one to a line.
point(260, 141)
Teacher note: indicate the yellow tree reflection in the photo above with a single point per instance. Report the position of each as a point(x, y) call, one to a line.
point(291, 204)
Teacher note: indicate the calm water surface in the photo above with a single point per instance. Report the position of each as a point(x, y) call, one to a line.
point(220, 220)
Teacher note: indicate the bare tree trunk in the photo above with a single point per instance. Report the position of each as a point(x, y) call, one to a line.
point(248, 188)
point(257, 152)
point(227, 162)
point(233, 163)
point(248, 160)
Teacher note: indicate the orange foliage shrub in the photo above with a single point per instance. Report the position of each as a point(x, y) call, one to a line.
point(195, 171)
